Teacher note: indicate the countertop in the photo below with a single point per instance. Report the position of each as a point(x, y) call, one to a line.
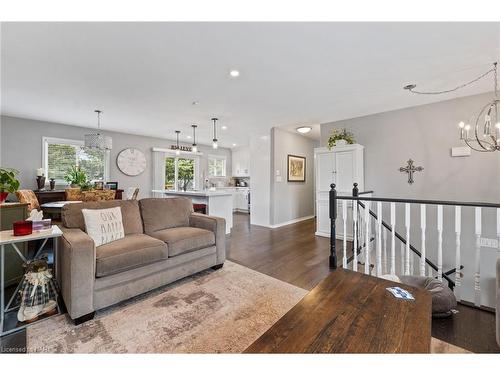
point(197, 193)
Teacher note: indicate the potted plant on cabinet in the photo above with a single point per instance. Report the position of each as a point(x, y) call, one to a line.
point(340, 138)
point(8, 182)
point(77, 178)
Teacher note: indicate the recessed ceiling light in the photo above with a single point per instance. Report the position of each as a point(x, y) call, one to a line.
point(189, 137)
point(223, 127)
point(234, 144)
point(304, 129)
point(234, 73)
point(194, 103)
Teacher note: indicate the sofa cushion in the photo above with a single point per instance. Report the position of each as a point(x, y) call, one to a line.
point(134, 250)
point(72, 216)
point(164, 213)
point(105, 225)
point(185, 239)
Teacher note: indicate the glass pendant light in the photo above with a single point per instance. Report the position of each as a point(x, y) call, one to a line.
point(214, 141)
point(177, 150)
point(97, 140)
point(195, 147)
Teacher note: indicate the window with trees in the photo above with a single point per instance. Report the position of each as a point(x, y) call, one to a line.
point(59, 155)
point(216, 166)
point(180, 173)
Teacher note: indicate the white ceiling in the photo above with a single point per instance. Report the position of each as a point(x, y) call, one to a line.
point(145, 76)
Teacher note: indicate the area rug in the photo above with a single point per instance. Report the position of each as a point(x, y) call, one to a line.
point(221, 311)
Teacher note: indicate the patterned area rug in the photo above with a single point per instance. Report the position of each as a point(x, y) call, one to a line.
point(220, 311)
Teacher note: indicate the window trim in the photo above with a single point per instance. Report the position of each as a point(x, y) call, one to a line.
point(73, 142)
point(217, 158)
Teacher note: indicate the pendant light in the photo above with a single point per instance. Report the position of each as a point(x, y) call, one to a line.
point(214, 143)
point(97, 140)
point(195, 147)
point(177, 150)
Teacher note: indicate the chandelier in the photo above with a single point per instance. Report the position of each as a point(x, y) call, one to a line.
point(97, 140)
point(484, 133)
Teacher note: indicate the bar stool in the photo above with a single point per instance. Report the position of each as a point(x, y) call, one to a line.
point(200, 208)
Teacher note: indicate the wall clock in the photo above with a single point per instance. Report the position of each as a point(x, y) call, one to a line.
point(131, 161)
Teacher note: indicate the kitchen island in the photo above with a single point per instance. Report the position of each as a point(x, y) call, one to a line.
point(219, 203)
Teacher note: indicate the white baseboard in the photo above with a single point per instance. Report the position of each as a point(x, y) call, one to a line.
point(291, 221)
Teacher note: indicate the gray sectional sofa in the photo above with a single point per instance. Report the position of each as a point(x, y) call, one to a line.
point(164, 241)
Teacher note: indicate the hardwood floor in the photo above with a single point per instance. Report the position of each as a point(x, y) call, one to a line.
point(295, 255)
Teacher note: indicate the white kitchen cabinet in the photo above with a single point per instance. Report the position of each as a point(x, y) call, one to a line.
point(343, 166)
point(240, 161)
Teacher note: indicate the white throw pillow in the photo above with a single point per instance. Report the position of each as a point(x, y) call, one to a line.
point(104, 225)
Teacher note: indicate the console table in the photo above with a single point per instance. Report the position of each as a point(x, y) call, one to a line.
point(7, 238)
point(58, 195)
point(350, 312)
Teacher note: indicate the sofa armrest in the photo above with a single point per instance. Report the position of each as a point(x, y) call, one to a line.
point(213, 224)
point(77, 271)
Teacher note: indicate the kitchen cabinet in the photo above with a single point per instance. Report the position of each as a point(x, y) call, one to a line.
point(343, 166)
point(240, 161)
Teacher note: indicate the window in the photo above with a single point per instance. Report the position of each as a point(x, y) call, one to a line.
point(216, 166)
point(180, 172)
point(59, 155)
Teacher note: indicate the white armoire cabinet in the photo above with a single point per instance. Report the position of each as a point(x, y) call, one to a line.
point(343, 166)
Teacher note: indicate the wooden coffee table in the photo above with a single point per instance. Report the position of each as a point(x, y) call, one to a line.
point(349, 312)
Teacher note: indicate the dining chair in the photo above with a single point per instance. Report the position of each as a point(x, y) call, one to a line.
point(132, 193)
point(28, 196)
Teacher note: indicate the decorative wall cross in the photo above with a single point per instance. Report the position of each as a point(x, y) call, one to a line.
point(410, 169)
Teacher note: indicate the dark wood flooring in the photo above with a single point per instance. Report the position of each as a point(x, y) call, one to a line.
point(295, 255)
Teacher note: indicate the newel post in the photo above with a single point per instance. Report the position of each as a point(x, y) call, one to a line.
point(355, 190)
point(333, 236)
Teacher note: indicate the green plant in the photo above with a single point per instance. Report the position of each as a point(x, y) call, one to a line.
point(338, 135)
point(8, 181)
point(75, 176)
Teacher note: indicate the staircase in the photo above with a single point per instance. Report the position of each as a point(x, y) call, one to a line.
point(384, 238)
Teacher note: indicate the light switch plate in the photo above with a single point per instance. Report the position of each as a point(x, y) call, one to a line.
point(489, 242)
point(460, 151)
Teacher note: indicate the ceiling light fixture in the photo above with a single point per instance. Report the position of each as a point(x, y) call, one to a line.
point(304, 129)
point(214, 140)
point(223, 127)
point(234, 144)
point(234, 73)
point(97, 140)
point(177, 149)
point(195, 147)
point(486, 134)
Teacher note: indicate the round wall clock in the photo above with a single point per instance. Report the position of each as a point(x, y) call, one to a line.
point(131, 161)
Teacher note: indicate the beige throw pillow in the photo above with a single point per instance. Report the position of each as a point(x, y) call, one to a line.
point(105, 225)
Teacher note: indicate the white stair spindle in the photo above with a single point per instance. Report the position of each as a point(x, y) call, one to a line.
point(402, 271)
point(379, 239)
point(407, 223)
point(440, 242)
point(367, 237)
point(458, 229)
point(355, 236)
point(384, 239)
point(412, 270)
point(344, 222)
point(498, 230)
point(393, 238)
point(423, 220)
point(477, 274)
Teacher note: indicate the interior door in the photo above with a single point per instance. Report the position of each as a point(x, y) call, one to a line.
point(325, 163)
point(344, 171)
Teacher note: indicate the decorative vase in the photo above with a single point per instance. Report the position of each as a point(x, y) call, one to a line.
point(52, 184)
point(22, 228)
point(3, 196)
point(40, 181)
point(341, 142)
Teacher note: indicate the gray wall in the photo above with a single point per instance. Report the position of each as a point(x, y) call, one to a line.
point(426, 134)
point(21, 148)
point(290, 200)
